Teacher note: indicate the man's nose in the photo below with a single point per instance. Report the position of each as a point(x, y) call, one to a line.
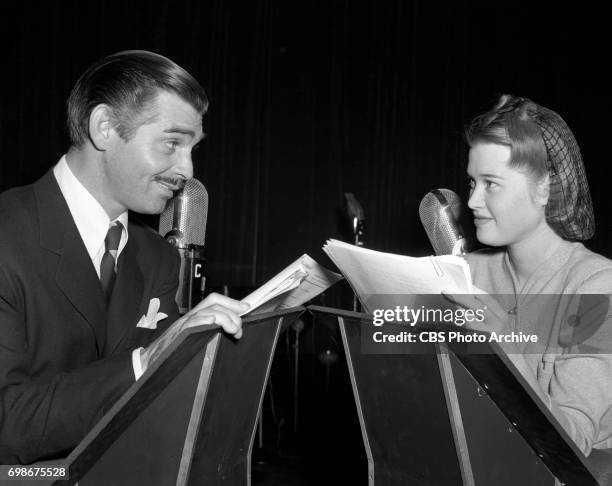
point(184, 167)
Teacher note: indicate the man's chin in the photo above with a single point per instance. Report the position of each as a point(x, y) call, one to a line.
point(152, 209)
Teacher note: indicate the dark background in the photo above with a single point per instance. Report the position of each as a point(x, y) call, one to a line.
point(312, 99)
point(309, 100)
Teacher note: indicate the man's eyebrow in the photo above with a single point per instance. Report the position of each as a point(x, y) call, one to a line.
point(183, 131)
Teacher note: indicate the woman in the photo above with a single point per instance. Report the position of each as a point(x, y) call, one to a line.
point(531, 204)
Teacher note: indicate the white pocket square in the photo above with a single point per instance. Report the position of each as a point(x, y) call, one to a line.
point(152, 317)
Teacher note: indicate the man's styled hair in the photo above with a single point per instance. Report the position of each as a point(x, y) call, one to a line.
point(127, 82)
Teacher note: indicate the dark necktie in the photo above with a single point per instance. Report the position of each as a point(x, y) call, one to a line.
point(107, 266)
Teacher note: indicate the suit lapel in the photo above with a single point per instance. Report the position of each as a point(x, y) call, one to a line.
point(124, 306)
point(75, 274)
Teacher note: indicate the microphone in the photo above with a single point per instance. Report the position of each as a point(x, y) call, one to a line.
point(356, 215)
point(183, 225)
point(444, 218)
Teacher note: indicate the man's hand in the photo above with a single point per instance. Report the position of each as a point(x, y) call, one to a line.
point(224, 310)
point(214, 309)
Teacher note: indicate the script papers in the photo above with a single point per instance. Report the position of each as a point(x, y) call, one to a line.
point(372, 272)
point(298, 283)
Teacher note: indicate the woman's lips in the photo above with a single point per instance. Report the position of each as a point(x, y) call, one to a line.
point(480, 220)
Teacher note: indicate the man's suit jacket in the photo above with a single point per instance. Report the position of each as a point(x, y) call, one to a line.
point(65, 356)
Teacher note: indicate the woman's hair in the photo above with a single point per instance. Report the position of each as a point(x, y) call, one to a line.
point(541, 143)
point(510, 122)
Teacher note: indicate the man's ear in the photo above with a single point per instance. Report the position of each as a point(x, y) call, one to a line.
point(101, 127)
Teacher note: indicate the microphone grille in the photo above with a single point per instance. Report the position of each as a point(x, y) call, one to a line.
point(440, 210)
point(186, 213)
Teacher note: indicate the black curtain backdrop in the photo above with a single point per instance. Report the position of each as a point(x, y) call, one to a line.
point(313, 99)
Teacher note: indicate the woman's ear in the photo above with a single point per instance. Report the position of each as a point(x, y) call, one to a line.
point(542, 190)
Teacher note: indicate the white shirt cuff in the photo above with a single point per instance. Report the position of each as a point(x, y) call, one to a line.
point(136, 363)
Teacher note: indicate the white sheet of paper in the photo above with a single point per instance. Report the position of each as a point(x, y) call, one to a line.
point(298, 283)
point(372, 272)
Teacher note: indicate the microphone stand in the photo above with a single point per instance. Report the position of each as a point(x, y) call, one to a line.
point(194, 257)
point(297, 326)
point(358, 231)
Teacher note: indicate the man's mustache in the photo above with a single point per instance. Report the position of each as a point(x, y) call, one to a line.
point(177, 182)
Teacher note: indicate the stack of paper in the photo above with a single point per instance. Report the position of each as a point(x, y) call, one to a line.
point(372, 272)
point(300, 282)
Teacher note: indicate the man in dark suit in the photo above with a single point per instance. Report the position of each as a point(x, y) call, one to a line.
point(85, 293)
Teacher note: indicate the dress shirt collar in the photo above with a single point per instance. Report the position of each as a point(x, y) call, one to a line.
point(90, 218)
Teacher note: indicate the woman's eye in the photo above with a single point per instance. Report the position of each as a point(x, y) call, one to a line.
point(491, 184)
point(172, 144)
